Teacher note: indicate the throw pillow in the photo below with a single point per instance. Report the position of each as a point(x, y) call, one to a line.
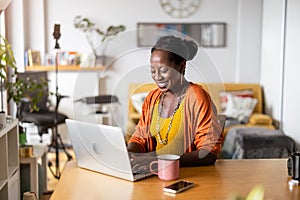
point(137, 100)
point(260, 119)
point(240, 93)
point(240, 108)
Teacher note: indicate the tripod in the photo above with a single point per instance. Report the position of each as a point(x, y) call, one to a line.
point(56, 138)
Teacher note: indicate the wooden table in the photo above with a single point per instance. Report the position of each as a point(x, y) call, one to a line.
point(220, 181)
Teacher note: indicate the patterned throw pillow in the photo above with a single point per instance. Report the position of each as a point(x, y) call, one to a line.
point(239, 93)
point(240, 108)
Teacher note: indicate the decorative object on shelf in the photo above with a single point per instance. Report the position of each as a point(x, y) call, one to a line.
point(7, 62)
point(26, 151)
point(180, 8)
point(89, 28)
point(33, 57)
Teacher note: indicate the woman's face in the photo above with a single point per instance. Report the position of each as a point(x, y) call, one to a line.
point(166, 74)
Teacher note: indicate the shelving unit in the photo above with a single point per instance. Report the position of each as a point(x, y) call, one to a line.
point(64, 68)
point(9, 165)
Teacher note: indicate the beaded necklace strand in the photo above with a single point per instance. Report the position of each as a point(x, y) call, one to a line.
point(179, 99)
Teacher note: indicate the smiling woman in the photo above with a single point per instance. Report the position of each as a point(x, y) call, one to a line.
point(178, 117)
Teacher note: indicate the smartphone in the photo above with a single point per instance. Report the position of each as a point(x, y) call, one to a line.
point(178, 186)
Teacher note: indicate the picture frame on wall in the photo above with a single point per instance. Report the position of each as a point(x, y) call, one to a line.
point(213, 34)
point(210, 35)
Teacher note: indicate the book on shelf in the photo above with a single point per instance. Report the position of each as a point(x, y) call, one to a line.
point(29, 58)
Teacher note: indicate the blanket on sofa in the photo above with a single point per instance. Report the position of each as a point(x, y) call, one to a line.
point(257, 142)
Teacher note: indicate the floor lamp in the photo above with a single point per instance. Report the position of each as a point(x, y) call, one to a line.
point(57, 174)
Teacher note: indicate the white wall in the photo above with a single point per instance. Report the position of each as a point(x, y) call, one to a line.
point(280, 63)
point(243, 19)
point(272, 55)
point(291, 99)
point(248, 52)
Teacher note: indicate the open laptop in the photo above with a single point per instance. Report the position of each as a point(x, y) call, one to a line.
point(102, 148)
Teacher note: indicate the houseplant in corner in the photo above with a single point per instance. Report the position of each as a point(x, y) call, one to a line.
point(7, 61)
point(90, 29)
point(17, 89)
point(27, 90)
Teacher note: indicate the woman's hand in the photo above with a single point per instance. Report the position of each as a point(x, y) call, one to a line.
point(140, 162)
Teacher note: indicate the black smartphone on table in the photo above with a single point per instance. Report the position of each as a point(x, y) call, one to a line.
point(178, 186)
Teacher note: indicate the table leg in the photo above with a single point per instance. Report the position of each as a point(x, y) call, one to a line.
point(34, 177)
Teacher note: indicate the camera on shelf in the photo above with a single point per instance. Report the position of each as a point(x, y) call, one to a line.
point(293, 166)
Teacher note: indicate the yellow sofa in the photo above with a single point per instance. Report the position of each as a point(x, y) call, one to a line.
point(258, 118)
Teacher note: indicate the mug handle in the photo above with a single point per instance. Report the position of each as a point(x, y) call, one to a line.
point(151, 164)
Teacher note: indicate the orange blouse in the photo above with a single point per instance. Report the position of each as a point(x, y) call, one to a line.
point(201, 130)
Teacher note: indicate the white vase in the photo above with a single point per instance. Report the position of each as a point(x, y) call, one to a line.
point(99, 60)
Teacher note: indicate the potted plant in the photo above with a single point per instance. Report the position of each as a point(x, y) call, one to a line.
point(89, 28)
point(7, 61)
point(26, 90)
point(18, 90)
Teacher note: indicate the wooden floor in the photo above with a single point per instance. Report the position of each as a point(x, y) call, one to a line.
point(51, 180)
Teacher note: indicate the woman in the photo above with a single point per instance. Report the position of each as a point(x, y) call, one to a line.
point(178, 117)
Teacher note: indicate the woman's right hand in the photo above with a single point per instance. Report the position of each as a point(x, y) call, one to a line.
point(141, 161)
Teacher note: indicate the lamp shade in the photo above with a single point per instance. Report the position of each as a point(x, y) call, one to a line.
point(4, 4)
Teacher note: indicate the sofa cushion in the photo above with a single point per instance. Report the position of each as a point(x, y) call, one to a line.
point(239, 93)
point(214, 90)
point(240, 108)
point(260, 119)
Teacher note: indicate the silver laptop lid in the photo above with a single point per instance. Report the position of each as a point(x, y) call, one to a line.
point(100, 148)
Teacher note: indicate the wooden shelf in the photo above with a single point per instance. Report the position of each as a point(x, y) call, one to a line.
point(64, 68)
point(9, 165)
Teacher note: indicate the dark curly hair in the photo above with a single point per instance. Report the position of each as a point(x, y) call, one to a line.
point(179, 49)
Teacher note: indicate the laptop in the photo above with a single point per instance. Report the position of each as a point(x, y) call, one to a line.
point(102, 148)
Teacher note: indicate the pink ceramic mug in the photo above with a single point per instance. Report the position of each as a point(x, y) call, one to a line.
point(168, 167)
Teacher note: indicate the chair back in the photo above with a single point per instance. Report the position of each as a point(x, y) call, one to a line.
point(221, 121)
point(38, 77)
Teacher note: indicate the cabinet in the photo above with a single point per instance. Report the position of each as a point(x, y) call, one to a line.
point(9, 165)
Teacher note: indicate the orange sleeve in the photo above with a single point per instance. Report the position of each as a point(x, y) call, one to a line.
point(203, 131)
